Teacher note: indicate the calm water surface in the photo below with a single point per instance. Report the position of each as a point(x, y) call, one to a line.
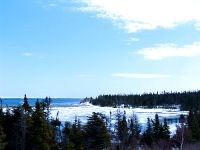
point(55, 101)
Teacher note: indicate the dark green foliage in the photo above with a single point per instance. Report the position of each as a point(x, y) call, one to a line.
point(46, 107)
point(156, 128)
point(26, 105)
point(187, 100)
point(123, 130)
point(27, 129)
point(117, 124)
point(3, 142)
point(40, 132)
point(183, 135)
point(156, 132)
point(134, 132)
point(165, 131)
point(194, 124)
point(74, 136)
point(121, 127)
point(9, 126)
point(97, 136)
point(19, 128)
point(66, 143)
point(30, 128)
point(160, 131)
point(134, 127)
point(147, 135)
point(2, 134)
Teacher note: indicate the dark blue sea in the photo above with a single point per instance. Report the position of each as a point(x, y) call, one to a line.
point(54, 102)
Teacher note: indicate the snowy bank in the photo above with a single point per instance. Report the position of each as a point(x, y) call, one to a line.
point(83, 110)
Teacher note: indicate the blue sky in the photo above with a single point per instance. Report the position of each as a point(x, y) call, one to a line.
point(79, 48)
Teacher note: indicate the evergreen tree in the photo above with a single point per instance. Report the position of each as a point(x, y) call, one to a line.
point(117, 125)
point(76, 135)
point(134, 129)
point(187, 100)
point(19, 128)
point(1, 105)
point(40, 131)
point(8, 124)
point(165, 131)
point(181, 135)
point(123, 130)
point(73, 136)
point(67, 143)
point(56, 124)
point(147, 135)
point(156, 127)
point(97, 136)
point(26, 105)
point(3, 142)
point(46, 107)
point(110, 124)
point(194, 125)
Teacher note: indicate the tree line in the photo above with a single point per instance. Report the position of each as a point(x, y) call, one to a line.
point(31, 128)
point(187, 100)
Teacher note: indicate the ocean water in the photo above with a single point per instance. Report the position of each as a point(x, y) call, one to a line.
point(55, 101)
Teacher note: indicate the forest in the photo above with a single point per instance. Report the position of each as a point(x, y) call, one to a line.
point(31, 128)
point(186, 100)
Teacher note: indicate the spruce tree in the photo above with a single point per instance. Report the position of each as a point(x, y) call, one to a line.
point(121, 127)
point(165, 130)
point(40, 131)
point(67, 143)
point(8, 124)
point(156, 127)
point(3, 142)
point(19, 128)
point(118, 124)
point(147, 135)
point(26, 105)
point(123, 130)
point(46, 107)
point(194, 124)
point(56, 124)
point(97, 136)
point(76, 135)
point(73, 136)
point(134, 129)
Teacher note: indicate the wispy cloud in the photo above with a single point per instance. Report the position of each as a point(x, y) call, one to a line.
point(52, 5)
point(170, 50)
point(132, 40)
point(198, 26)
point(135, 15)
point(140, 76)
point(28, 54)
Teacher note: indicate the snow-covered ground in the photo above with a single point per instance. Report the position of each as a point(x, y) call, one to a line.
point(82, 111)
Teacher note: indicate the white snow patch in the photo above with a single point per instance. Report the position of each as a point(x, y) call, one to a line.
point(82, 111)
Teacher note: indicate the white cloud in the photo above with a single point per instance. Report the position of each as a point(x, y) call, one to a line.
point(135, 15)
point(198, 26)
point(170, 50)
point(27, 54)
point(140, 76)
